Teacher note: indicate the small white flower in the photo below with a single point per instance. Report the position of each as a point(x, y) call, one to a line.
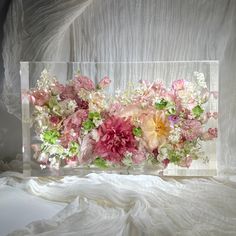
point(95, 135)
point(42, 166)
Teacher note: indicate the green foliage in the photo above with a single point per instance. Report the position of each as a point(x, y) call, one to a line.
point(51, 136)
point(160, 105)
point(197, 111)
point(88, 125)
point(73, 148)
point(101, 163)
point(137, 131)
point(94, 116)
point(173, 156)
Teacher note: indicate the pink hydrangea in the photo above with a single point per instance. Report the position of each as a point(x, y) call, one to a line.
point(191, 129)
point(83, 82)
point(115, 138)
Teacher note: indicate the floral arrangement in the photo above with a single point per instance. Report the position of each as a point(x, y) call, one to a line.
point(80, 125)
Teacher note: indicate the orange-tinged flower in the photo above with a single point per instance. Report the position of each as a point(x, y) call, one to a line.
point(156, 128)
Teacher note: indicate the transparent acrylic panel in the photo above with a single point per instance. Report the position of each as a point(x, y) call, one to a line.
point(122, 74)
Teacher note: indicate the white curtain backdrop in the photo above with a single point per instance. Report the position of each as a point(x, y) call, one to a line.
point(131, 30)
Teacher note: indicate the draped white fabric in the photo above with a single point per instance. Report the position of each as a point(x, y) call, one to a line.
point(124, 30)
point(134, 205)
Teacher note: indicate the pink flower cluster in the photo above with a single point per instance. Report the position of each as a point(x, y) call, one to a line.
point(79, 125)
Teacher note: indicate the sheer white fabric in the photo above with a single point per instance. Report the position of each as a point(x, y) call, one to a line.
point(124, 30)
point(134, 205)
point(110, 30)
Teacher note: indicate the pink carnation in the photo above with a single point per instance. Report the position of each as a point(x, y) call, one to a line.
point(39, 97)
point(83, 82)
point(104, 83)
point(115, 138)
point(191, 129)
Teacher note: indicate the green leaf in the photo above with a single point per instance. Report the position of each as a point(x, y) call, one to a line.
point(101, 163)
point(173, 156)
point(94, 116)
point(197, 111)
point(137, 131)
point(88, 125)
point(161, 104)
point(51, 136)
point(73, 148)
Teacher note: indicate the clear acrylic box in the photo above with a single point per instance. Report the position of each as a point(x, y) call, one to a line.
point(122, 74)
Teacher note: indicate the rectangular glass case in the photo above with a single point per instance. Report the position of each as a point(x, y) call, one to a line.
point(167, 128)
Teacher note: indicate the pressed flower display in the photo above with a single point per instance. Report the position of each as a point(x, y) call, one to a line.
point(139, 118)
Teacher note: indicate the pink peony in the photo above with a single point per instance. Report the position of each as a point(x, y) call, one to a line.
point(191, 129)
point(83, 82)
point(115, 138)
point(104, 83)
point(178, 84)
point(39, 97)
